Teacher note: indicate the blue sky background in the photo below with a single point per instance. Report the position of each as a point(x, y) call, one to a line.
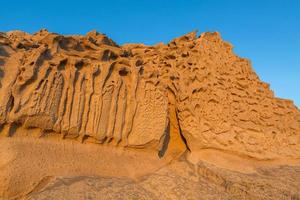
point(267, 32)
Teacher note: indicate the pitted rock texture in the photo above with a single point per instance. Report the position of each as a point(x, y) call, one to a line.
point(89, 87)
point(192, 94)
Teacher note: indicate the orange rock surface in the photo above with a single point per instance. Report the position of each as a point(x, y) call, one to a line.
point(84, 118)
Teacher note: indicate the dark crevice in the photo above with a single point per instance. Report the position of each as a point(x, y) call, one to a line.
point(84, 138)
point(1, 127)
point(13, 129)
point(22, 46)
point(180, 132)
point(11, 103)
point(166, 141)
point(173, 102)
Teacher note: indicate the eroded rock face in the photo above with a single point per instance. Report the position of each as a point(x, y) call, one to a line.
point(192, 94)
point(83, 87)
point(90, 88)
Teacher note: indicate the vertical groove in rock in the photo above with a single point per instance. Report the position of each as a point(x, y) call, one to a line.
point(121, 111)
point(113, 110)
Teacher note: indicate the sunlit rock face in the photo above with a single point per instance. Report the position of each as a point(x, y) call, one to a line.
point(192, 94)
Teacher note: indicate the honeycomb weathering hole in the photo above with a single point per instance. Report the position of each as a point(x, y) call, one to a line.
point(123, 72)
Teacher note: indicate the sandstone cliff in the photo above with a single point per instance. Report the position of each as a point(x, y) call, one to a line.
point(192, 97)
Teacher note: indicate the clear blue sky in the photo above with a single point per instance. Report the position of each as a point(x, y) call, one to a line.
point(267, 32)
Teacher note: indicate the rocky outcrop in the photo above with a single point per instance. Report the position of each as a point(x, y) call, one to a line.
point(191, 94)
point(88, 87)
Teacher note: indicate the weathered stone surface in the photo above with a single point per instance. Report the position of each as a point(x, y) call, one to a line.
point(193, 94)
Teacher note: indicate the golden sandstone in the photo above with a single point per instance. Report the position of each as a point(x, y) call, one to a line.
point(84, 118)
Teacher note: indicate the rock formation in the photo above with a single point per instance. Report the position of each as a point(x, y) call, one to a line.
point(83, 106)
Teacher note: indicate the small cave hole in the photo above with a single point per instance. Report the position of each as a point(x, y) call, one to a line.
point(123, 72)
point(138, 63)
point(79, 65)
point(62, 64)
point(109, 55)
point(172, 77)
